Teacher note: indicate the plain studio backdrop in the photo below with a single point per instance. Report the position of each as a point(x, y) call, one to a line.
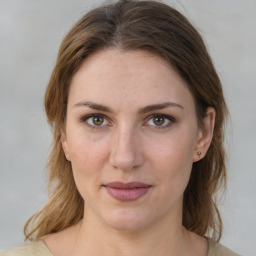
point(31, 32)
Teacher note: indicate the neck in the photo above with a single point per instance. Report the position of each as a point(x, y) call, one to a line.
point(95, 238)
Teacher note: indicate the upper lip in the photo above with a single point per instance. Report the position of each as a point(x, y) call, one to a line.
point(120, 185)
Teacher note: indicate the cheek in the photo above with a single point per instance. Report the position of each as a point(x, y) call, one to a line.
point(88, 155)
point(86, 148)
point(172, 160)
point(174, 150)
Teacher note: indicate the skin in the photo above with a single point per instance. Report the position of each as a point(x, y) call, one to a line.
point(127, 143)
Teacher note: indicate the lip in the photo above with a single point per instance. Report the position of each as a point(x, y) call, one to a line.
point(127, 191)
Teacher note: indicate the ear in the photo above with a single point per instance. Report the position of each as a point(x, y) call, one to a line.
point(64, 144)
point(205, 135)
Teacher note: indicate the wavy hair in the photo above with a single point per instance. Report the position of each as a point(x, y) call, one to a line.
point(163, 31)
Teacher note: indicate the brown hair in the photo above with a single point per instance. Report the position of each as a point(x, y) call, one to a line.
point(162, 30)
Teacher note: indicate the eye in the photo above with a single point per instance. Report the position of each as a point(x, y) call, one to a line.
point(95, 120)
point(160, 121)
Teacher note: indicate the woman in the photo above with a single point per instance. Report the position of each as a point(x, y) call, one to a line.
point(137, 111)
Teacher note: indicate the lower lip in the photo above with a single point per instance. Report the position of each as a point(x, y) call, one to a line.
point(126, 195)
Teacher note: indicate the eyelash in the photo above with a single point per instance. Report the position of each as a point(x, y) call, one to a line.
point(170, 119)
point(87, 117)
point(166, 117)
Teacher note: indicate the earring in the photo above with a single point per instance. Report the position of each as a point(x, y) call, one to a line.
point(199, 153)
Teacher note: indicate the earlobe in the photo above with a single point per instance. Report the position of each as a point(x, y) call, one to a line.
point(205, 135)
point(64, 145)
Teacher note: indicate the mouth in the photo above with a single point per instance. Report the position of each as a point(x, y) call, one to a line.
point(127, 191)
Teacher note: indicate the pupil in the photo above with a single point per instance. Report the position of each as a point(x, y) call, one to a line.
point(97, 120)
point(159, 120)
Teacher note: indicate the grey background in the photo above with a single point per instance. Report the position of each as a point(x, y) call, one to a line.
point(30, 33)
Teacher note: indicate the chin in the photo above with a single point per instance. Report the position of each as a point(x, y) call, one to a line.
point(128, 220)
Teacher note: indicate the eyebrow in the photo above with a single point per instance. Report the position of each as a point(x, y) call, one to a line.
point(94, 106)
point(154, 107)
point(143, 110)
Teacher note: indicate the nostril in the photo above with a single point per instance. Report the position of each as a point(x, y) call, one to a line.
point(126, 160)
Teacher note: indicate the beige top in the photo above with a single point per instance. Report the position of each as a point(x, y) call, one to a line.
point(39, 248)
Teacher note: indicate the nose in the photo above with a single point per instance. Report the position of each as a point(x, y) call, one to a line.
point(126, 150)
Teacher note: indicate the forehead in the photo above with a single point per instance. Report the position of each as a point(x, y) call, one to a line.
point(132, 77)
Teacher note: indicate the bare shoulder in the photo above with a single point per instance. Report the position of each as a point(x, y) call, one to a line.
point(28, 249)
point(217, 249)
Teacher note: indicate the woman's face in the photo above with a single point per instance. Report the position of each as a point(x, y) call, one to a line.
point(131, 135)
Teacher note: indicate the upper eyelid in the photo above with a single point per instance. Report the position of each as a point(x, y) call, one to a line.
point(86, 117)
point(171, 118)
point(92, 115)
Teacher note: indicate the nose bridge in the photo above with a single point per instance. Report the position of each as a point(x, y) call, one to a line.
point(125, 151)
